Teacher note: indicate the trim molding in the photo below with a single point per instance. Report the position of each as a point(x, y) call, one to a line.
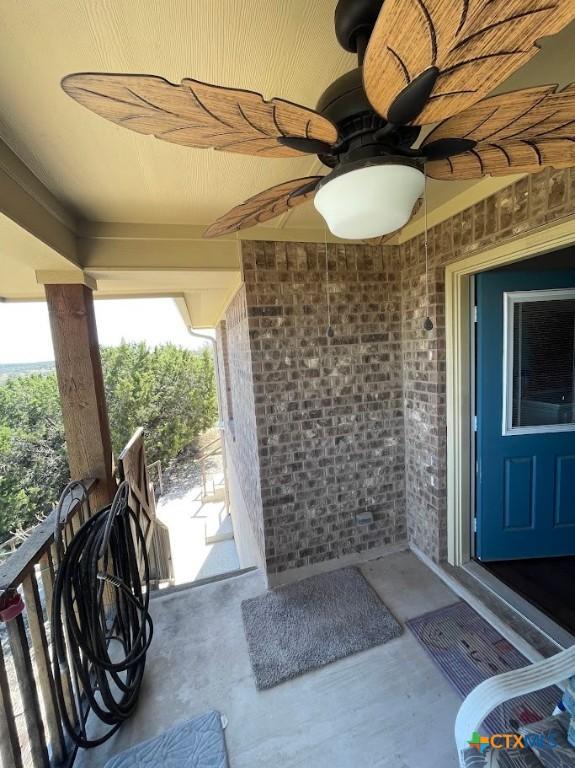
point(529, 612)
point(325, 566)
point(65, 277)
point(458, 371)
point(477, 604)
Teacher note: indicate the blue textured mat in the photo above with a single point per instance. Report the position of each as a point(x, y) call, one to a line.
point(468, 650)
point(197, 743)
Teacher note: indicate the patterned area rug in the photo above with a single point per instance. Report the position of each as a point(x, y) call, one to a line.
point(468, 650)
point(197, 743)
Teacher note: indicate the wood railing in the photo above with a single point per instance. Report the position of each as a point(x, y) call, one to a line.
point(31, 732)
point(157, 467)
point(133, 467)
point(10, 546)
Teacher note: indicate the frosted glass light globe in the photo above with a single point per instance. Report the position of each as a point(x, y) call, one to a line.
point(371, 201)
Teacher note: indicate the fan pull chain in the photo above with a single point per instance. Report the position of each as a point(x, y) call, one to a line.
point(239, 249)
point(428, 322)
point(329, 331)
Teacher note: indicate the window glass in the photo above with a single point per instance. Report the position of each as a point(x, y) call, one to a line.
point(543, 362)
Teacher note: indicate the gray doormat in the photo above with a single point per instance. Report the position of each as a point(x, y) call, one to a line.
point(197, 743)
point(302, 626)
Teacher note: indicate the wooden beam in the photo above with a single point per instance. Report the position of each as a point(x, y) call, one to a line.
point(81, 385)
point(163, 247)
point(26, 201)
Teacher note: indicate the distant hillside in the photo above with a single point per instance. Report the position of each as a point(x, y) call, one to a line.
point(8, 370)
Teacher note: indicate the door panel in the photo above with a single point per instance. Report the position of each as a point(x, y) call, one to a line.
point(564, 491)
point(525, 484)
point(519, 501)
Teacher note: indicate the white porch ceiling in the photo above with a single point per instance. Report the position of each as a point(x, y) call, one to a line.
point(105, 173)
point(89, 170)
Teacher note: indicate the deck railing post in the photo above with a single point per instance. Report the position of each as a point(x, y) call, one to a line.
point(44, 678)
point(28, 692)
point(9, 741)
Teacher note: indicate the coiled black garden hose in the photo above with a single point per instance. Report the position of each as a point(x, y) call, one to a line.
point(101, 627)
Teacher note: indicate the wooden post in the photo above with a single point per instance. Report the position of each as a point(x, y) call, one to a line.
point(81, 385)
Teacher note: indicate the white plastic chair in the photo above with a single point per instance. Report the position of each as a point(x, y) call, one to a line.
point(499, 689)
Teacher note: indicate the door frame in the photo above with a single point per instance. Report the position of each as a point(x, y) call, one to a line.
point(459, 376)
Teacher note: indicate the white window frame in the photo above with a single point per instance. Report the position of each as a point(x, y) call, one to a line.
point(510, 299)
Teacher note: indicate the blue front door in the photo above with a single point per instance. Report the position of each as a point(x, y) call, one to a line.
point(525, 447)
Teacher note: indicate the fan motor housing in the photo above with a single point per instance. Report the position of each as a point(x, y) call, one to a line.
point(354, 22)
point(344, 98)
point(345, 103)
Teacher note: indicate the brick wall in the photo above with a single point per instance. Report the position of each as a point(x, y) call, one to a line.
point(512, 212)
point(239, 416)
point(327, 429)
point(328, 412)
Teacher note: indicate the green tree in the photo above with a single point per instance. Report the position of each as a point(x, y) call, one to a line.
point(33, 466)
point(168, 390)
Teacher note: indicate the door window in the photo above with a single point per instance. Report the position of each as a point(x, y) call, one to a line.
point(539, 361)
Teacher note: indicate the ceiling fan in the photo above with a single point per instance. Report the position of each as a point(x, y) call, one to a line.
point(419, 62)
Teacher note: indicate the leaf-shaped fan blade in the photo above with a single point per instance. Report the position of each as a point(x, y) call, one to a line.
point(504, 158)
point(525, 114)
point(199, 115)
point(518, 132)
point(470, 45)
point(265, 205)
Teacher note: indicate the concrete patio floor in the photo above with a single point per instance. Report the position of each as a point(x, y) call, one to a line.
point(388, 707)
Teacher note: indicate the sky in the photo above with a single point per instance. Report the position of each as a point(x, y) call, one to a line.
point(25, 328)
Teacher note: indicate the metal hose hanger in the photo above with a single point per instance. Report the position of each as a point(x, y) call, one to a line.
point(74, 493)
point(100, 621)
